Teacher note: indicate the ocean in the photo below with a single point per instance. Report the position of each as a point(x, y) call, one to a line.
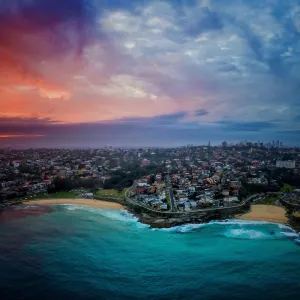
point(72, 252)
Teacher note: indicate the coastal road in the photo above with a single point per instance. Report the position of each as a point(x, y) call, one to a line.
point(172, 202)
point(171, 195)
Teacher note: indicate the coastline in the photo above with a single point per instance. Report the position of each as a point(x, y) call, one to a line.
point(82, 202)
point(259, 212)
point(267, 213)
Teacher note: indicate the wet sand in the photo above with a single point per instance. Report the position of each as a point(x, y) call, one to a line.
point(83, 202)
point(269, 213)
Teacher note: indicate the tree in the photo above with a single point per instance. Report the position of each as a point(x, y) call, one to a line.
point(62, 184)
point(87, 183)
point(218, 195)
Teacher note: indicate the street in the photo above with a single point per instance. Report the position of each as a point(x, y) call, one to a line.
point(171, 195)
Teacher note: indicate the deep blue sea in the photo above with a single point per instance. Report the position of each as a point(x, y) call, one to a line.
point(70, 252)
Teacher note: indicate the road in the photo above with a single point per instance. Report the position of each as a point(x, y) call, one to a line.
point(132, 201)
point(171, 195)
point(173, 209)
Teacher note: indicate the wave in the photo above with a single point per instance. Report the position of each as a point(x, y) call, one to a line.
point(261, 233)
point(182, 228)
point(241, 229)
point(249, 234)
point(282, 226)
point(123, 216)
point(291, 234)
point(114, 214)
point(231, 228)
point(239, 222)
point(26, 207)
point(193, 227)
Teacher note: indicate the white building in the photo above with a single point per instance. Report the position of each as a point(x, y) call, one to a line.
point(288, 164)
point(193, 204)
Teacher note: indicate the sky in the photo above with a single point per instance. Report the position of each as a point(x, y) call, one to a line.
point(78, 73)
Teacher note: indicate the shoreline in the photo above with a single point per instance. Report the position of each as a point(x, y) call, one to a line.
point(82, 202)
point(259, 212)
point(267, 213)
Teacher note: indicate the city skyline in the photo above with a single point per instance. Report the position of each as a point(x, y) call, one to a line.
point(148, 73)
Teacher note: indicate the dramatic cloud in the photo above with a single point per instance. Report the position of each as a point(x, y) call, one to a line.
point(118, 71)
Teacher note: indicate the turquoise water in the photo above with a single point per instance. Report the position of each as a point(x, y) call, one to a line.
point(80, 253)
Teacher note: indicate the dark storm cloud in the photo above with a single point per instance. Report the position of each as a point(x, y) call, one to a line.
point(246, 126)
point(201, 112)
point(22, 125)
point(31, 31)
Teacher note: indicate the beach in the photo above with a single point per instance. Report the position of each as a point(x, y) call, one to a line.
point(267, 213)
point(81, 202)
point(258, 212)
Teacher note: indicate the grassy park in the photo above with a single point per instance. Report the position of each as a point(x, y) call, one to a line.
point(270, 200)
point(111, 193)
point(287, 188)
point(101, 194)
point(58, 195)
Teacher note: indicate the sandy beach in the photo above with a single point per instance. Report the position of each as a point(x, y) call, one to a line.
point(267, 213)
point(83, 202)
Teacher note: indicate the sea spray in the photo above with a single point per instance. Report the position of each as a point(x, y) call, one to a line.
point(250, 234)
point(114, 214)
point(182, 228)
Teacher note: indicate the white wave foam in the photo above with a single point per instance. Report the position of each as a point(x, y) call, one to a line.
point(289, 232)
point(24, 207)
point(292, 235)
point(244, 233)
point(182, 228)
point(119, 215)
point(282, 226)
point(239, 222)
point(123, 216)
point(71, 207)
point(114, 214)
point(240, 232)
point(286, 228)
point(248, 234)
point(230, 222)
point(191, 227)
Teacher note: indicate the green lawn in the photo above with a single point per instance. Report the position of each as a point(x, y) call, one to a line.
point(111, 193)
point(58, 195)
point(287, 188)
point(168, 199)
point(73, 194)
point(269, 200)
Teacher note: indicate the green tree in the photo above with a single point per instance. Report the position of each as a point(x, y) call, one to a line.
point(62, 184)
